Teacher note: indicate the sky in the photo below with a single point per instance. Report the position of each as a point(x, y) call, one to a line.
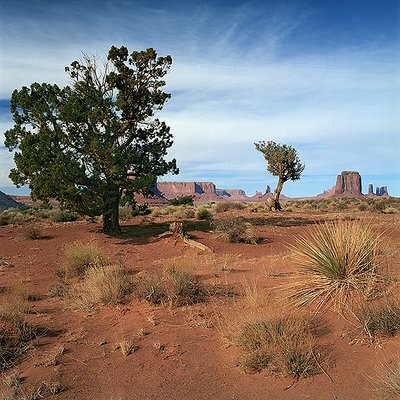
point(321, 76)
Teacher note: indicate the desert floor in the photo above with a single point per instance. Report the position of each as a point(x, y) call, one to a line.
point(183, 354)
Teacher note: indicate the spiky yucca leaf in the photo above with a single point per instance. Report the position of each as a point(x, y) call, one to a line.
point(336, 259)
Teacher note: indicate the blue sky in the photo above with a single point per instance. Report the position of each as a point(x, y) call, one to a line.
point(322, 76)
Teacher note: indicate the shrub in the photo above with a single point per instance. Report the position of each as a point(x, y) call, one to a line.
point(286, 344)
point(33, 232)
point(383, 318)
point(203, 213)
point(64, 216)
point(10, 217)
point(173, 286)
point(184, 212)
point(80, 256)
point(335, 260)
point(101, 285)
point(225, 206)
point(233, 229)
point(140, 209)
point(182, 200)
point(15, 332)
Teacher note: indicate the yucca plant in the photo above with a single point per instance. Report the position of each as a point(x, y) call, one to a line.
point(334, 261)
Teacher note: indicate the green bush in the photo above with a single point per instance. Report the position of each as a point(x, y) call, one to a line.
point(182, 200)
point(203, 213)
point(64, 216)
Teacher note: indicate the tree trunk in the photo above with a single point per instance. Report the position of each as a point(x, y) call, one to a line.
point(277, 193)
point(111, 211)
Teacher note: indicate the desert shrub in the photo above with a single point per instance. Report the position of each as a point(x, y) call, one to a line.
point(15, 332)
point(105, 285)
point(33, 232)
point(234, 229)
point(173, 286)
point(184, 212)
point(181, 201)
point(267, 337)
point(203, 213)
point(64, 216)
point(286, 344)
point(140, 209)
point(80, 256)
point(383, 318)
point(227, 205)
point(336, 259)
point(125, 212)
point(12, 217)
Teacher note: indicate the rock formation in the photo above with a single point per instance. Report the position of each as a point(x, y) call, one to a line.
point(348, 184)
point(370, 189)
point(8, 202)
point(236, 193)
point(382, 191)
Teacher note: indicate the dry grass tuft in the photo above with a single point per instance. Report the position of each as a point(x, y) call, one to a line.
point(81, 256)
point(336, 260)
point(266, 338)
point(382, 318)
point(33, 232)
point(101, 285)
point(15, 332)
point(234, 229)
point(387, 382)
point(174, 286)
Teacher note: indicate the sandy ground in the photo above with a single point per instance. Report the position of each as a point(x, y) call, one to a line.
point(183, 356)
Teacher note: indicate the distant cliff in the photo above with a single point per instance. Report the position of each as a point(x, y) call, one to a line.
point(348, 184)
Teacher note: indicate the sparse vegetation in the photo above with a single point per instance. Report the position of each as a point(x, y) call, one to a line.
point(280, 342)
point(33, 232)
point(382, 318)
point(335, 260)
point(64, 216)
point(234, 229)
point(102, 284)
point(174, 286)
point(181, 201)
point(80, 256)
point(387, 382)
point(203, 213)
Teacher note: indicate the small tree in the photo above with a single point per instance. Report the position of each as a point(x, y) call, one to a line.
point(88, 143)
point(283, 162)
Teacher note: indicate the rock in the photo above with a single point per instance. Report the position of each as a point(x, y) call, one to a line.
point(382, 191)
point(348, 184)
point(8, 202)
point(370, 189)
point(237, 193)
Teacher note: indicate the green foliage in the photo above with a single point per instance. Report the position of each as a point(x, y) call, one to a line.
point(64, 216)
point(283, 162)
point(203, 213)
point(181, 201)
point(85, 143)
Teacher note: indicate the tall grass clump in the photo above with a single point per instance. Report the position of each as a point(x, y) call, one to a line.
point(174, 286)
point(80, 256)
point(268, 337)
point(336, 260)
point(106, 285)
point(234, 229)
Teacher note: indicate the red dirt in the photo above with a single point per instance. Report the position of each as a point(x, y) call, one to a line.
point(194, 363)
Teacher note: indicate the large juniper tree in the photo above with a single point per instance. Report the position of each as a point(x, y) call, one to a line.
point(87, 143)
point(283, 162)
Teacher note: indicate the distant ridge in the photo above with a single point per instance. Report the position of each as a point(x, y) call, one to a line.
point(7, 202)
